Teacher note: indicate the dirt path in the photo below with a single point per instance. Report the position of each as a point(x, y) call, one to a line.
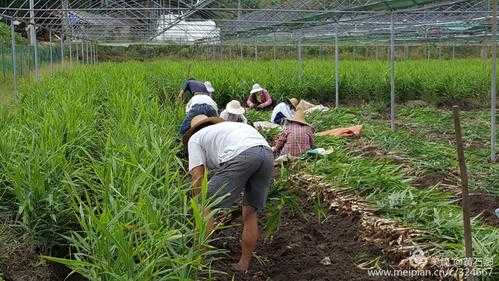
point(305, 249)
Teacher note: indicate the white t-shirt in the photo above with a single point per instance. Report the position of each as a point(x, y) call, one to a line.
point(201, 99)
point(219, 143)
point(284, 109)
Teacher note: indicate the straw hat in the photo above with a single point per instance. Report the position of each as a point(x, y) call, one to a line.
point(256, 88)
point(294, 102)
point(234, 107)
point(199, 122)
point(300, 118)
point(209, 87)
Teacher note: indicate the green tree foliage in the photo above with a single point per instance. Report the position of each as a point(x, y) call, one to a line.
point(5, 34)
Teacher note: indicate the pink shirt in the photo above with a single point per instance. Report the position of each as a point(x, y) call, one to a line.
point(261, 99)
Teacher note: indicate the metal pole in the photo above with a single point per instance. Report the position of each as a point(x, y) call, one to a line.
point(77, 55)
point(256, 52)
point(70, 52)
point(300, 57)
point(493, 90)
point(392, 74)
point(275, 51)
point(241, 49)
point(90, 53)
point(453, 51)
point(14, 68)
point(37, 66)
point(4, 71)
point(468, 246)
point(62, 48)
point(337, 68)
point(238, 9)
point(50, 50)
point(32, 35)
point(96, 54)
point(82, 52)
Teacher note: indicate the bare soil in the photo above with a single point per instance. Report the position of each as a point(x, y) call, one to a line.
point(20, 259)
point(484, 204)
point(303, 248)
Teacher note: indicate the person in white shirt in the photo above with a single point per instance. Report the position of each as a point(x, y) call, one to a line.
point(234, 112)
point(239, 159)
point(199, 104)
point(284, 111)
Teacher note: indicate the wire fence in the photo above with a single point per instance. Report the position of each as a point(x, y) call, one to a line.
point(25, 58)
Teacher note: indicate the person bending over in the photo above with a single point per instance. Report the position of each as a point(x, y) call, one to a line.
point(284, 111)
point(234, 112)
point(199, 104)
point(239, 160)
point(297, 137)
point(194, 87)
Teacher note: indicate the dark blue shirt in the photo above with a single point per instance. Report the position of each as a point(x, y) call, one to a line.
point(194, 86)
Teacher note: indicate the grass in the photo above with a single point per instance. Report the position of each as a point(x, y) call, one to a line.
point(89, 164)
point(88, 159)
point(424, 152)
point(437, 82)
point(386, 185)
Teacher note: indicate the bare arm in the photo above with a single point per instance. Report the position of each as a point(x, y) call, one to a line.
point(180, 96)
point(279, 143)
point(250, 103)
point(197, 175)
point(268, 100)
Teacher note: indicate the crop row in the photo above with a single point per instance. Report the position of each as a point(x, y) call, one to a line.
point(437, 82)
point(91, 164)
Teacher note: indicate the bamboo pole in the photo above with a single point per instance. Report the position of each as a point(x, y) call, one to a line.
point(464, 184)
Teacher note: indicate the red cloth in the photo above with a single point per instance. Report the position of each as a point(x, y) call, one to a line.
point(261, 99)
point(295, 140)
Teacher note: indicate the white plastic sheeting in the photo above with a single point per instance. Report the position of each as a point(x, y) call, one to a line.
point(186, 31)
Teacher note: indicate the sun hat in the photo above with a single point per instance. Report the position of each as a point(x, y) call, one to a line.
point(300, 118)
point(198, 123)
point(234, 107)
point(294, 101)
point(209, 87)
point(256, 88)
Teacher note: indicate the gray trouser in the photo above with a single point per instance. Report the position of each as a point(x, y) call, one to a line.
point(250, 171)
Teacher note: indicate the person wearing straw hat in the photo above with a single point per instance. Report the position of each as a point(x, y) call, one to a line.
point(234, 112)
point(284, 111)
point(239, 160)
point(297, 137)
point(194, 87)
point(199, 104)
point(259, 98)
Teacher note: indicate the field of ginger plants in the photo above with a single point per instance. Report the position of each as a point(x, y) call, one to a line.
point(91, 173)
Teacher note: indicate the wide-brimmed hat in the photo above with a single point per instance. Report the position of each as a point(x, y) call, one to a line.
point(198, 123)
point(294, 101)
point(256, 88)
point(299, 118)
point(209, 87)
point(234, 107)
